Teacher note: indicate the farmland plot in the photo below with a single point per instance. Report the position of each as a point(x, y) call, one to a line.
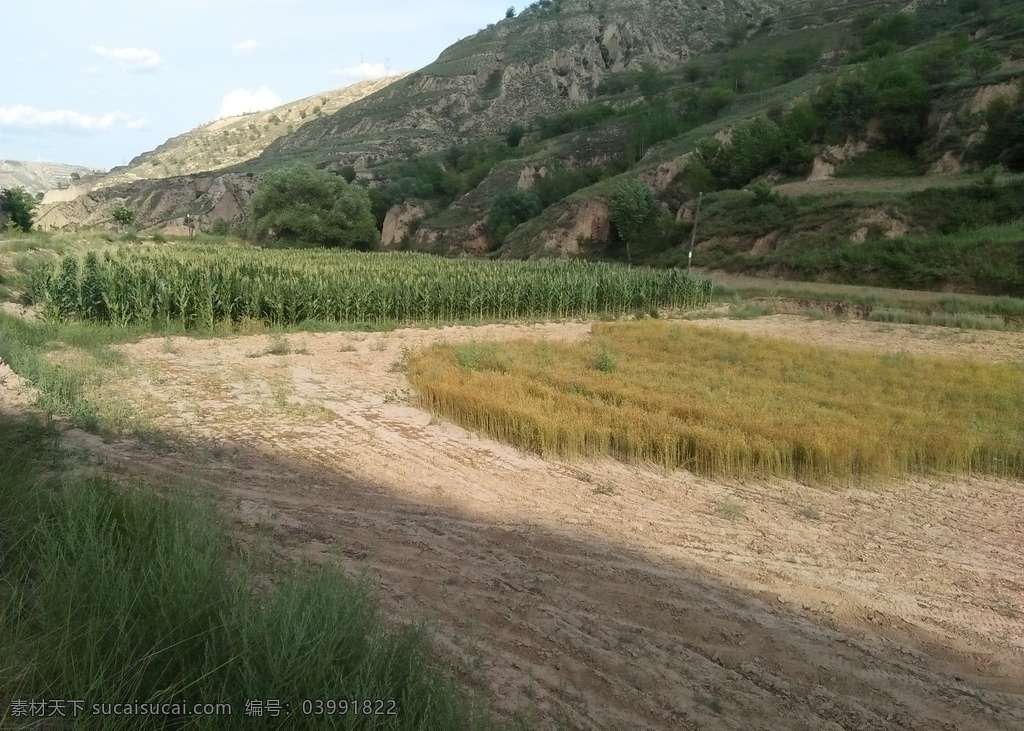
point(595, 594)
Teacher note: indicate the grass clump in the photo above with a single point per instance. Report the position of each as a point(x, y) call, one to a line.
point(733, 405)
point(115, 594)
point(963, 320)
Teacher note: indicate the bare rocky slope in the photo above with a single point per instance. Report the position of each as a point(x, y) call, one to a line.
point(181, 176)
point(38, 177)
point(233, 140)
point(545, 60)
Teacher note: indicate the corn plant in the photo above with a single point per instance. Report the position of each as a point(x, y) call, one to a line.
point(200, 287)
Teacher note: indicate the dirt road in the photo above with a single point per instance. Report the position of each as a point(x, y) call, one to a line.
point(596, 595)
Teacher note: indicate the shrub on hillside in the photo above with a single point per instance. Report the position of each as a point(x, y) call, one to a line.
point(302, 206)
point(510, 208)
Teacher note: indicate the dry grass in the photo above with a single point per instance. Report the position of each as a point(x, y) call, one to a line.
point(732, 405)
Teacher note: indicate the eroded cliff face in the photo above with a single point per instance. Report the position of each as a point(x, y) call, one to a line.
point(542, 62)
point(159, 205)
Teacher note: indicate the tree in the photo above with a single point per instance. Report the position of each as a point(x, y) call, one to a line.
point(737, 32)
point(651, 81)
point(632, 209)
point(124, 215)
point(17, 204)
point(514, 135)
point(302, 206)
point(511, 12)
point(980, 61)
point(510, 208)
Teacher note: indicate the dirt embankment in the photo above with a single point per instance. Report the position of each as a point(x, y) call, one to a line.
point(596, 595)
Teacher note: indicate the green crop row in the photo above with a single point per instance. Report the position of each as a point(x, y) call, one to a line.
point(202, 287)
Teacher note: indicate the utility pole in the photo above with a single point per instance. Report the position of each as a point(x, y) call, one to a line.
point(693, 233)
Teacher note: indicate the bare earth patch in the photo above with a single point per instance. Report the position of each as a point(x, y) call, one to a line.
point(596, 595)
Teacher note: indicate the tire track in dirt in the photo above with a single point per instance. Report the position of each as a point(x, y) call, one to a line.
point(600, 595)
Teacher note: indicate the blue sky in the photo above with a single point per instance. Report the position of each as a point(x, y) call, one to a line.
point(97, 82)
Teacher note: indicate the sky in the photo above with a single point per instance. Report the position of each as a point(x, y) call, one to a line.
point(97, 82)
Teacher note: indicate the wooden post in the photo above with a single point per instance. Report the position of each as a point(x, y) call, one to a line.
point(693, 233)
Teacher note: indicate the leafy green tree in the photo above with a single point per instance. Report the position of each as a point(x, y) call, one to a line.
point(737, 32)
point(756, 146)
point(511, 12)
point(844, 107)
point(302, 206)
point(633, 208)
point(979, 61)
point(124, 215)
point(651, 81)
point(896, 29)
point(510, 208)
point(797, 62)
point(16, 205)
point(903, 106)
point(514, 135)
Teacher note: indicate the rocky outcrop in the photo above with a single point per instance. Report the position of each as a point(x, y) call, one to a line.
point(588, 222)
point(882, 222)
point(662, 176)
point(542, 62)
point(983, 97)
point(948, 164)
point(159, 205)
point(38, 177)
point(528, 178)
point(398, 223)
point(821, 170)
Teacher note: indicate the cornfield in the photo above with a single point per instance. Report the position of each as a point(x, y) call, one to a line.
point(201, 287)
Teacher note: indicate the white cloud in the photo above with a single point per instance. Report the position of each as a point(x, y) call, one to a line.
point(247, 46)
point(242, 101)
point(26, 117)
point(92, 70)
point(130, 59)
point(362, 71)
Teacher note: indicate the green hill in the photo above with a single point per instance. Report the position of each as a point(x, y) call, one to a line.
point(830, 140)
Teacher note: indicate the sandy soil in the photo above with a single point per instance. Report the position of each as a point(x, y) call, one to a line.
point(595, 595)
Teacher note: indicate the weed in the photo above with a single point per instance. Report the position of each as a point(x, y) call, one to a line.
point(811, 513)
point(605, 360)
point(278, 346)
point(751, 311)
point(729, 508)
point(711, 702)
point(606, 488)
point(402, 364)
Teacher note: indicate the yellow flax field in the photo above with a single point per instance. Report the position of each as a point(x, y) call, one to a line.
point(732, 405)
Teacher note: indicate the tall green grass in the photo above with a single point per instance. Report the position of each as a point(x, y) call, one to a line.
point(113, 594)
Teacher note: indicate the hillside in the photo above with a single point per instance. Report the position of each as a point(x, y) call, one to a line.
point(762, 107)
point(548, 59)
point(38, 177)
point(227, 142)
